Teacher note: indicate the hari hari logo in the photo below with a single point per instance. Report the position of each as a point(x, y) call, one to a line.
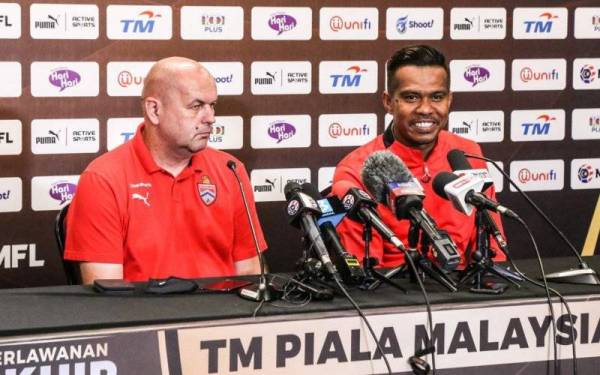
point(476, 74)
point(281, 131)
point(64, 78)
point(63, 191)
point(281, 22)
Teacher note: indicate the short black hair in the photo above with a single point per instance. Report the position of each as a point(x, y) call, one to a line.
point(418, 55)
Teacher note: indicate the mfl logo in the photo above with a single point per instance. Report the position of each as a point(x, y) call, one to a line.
point(14, 256)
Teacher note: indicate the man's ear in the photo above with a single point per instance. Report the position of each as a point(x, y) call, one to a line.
point(152, 109)
point(387, 102)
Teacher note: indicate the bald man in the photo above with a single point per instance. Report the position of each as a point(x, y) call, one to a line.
point(165, 203)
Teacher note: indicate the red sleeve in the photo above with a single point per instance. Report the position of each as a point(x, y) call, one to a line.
point(95, 231)
point(244, 247)
point(350, 231)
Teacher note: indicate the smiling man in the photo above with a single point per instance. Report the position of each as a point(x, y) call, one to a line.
point(418, 97)
point(165, 204)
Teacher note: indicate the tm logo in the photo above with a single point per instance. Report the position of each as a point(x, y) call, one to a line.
point(541, 127)
point(544, 26)
point(144, 25)
point(348, 80)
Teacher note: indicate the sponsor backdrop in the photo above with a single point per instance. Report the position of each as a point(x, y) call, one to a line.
point(299, 87)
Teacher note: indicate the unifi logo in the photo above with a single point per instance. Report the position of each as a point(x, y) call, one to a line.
point(64, 78)
point(542, 25)
point(527, 74)
point(476, 74)
point(62, 191)
point(50, 23)
point(144, 23)
point(281, 131)
point(282, 22)
point(212, 23)
point(467, 25)
point(526, 176)
point(337, 130)
point(52, 138)
point(267, 79)
point(348, 80)
point(267, 187)
point(337, 23)
point(126, 79)
point(586, 173)
point(588, 73)
point(540, 127)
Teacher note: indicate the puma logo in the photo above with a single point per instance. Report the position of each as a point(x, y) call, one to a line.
point(141, 197)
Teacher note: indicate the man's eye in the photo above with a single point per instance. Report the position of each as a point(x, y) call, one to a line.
point(411, 98)
point(437, 97)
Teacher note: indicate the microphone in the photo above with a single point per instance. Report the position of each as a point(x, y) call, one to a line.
point(302, 210)
point(361, 208)
point(332, 213)
point(392, 184)
point(461, 166)
point(464, 193)
point(262, 291)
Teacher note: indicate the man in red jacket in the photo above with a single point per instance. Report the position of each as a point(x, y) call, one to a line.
point(418, 97)
point(165, 203)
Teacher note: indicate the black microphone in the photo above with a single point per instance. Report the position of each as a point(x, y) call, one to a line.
point(392, 184)
point(461, 166)
point(302, 211)
point(462, 192)
point(262, 291)
point(347, 264)
point(361, 207)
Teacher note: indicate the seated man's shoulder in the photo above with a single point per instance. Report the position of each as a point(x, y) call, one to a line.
point(113, 162)
point(361, 153)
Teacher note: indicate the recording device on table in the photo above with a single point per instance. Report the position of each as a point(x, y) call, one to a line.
point(393, 185)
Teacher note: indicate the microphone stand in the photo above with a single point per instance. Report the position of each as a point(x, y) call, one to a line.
point(261, 292)
point(372, 277)
point(421, 262)
point(583, 274)
point(483, 263)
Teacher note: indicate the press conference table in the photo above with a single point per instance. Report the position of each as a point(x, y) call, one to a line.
point(42, 329)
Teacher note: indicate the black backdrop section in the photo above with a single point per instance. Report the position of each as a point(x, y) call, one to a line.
point(571, 210)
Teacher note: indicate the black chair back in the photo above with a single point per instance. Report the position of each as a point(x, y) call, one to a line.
point(60, 233)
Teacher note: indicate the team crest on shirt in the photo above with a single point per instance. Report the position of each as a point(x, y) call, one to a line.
point(207, 191)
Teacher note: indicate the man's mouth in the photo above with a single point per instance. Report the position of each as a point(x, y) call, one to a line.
point(424, 125)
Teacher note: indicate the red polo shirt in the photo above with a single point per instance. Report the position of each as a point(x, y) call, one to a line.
point(460, 226)
point(127, 210)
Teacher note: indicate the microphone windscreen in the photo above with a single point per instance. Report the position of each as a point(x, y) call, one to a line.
point(291, 188)
point(311, 190)
point(440, 181)
point(381, 168)
point(458, 161)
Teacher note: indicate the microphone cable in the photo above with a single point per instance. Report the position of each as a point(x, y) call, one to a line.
point(547, 289)
point(531, 203)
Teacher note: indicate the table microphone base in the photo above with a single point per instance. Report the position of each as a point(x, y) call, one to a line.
point(258, 292)
point(575, 276)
